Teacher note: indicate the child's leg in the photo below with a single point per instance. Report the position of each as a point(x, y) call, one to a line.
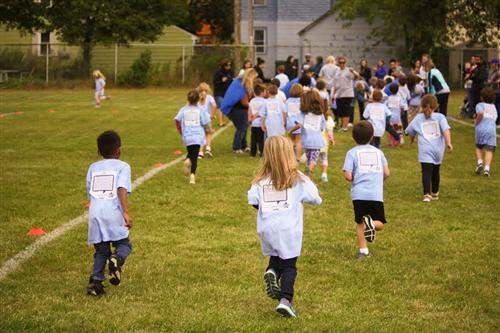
point(97, 100)
point(360, 235)
point(324, 162)
point(404, 119)
point(274, 264)
point(488, 157)
point(123, 247)
point(376, 141)
point(435, 178)
point(220, 117)
point(193, 151)
point(253, 141)
point(101, 255)
point(260, 140)
point(427, 177)
point(288, 268)
point(209, 139)
point(312, 158)
point(479, 155)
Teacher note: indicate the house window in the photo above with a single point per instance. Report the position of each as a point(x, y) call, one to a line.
point(44, 38)
point(260, 40)
point(258, 3)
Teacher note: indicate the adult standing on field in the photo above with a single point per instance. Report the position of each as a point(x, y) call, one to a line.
point(478, 76)
point(328, 72)
point(437, 86)
point(291, 68)
point(222, 79)
point(235, 107)
point(343, 87)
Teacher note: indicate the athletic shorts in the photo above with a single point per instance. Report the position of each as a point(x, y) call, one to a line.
point(344, 106)
point(367, 207)
point(487, 147)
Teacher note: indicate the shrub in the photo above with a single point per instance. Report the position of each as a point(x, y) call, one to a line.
point(140, 72)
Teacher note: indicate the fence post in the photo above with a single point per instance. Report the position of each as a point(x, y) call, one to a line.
point(116, 62)
point(47, 45)
point(183, 64)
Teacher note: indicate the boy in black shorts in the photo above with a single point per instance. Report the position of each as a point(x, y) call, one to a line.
point(366, 167)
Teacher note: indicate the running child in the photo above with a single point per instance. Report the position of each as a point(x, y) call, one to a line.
point(311, 122)
point(396, 105)
point(100, 83)
point(280, 93)
point(193, 124)
point(405, 95)
point(279, 192)
point(208, 105)
point(378, 115)
point(367, 168)
point(486, 135)
point(292, 112)
point(327, 131)
point(281, 76)
point(273, 116)
point(108, 186)
point(255, 107)
point(433, 132)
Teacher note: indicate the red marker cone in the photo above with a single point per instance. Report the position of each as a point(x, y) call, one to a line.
point(36, 232)
point(52, 110)
point(19, 113)
point(178, 152)
point(158, 164)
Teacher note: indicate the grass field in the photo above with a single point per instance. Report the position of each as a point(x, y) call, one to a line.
point(197, 265)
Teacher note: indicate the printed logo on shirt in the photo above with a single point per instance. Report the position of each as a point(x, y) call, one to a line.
point(102, 185)
point(430, 130)
point(393, 102)
point(256, 107)
point(312, 122)
point(490, 111)
point(369, 161)
point(293, 109)
point(192, 118)
point(273, 108)
point(378, 113)
point(275, 201)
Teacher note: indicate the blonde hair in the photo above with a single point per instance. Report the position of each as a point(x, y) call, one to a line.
point(203, 88)
point(330, 60)
point(279, 163)
point(248, 79)
point(429, 65)
point(428, 104)
point(296, 90)
point(98, 75)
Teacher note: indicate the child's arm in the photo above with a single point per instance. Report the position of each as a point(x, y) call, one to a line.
point(263, 123)
point(296, 127)
point(311, 193)
point(387, 172)
point(123, 196)
point(447, 139)
point(479, 117)
point(250, 114)
point(348, 175)
point(178, 126)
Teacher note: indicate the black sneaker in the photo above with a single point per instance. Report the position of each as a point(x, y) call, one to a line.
point(479, 168)
point(272, 287)
point(115, 269)
point(369, 228)
point(95, 288)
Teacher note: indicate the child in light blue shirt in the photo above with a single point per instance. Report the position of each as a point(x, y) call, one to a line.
point(377, 114)
point(255, 108)
point(108, 187)
point(193, 124)
point(311, 122)
point(279, 192)
point(292, 112)
point(396, 104)
point(366, 167)
point(486, 134)
point(433, 132)
point(100, 83)
point(273, 115)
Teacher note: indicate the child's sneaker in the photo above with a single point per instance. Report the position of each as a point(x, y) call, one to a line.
point(238, 151)
point(192, 179)
point(95, 288)
point(369, 228)
point(115, 269)
point(208, 151)
point(200, 155)
point(479, 169)
point(187, 167)
point(486, 173)
point(427, 198)
point(272, 288)
point(435, 196)
point(324, 178)
point(285, 309)
point(362, 256)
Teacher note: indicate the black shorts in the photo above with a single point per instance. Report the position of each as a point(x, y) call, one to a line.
point(366, 207)
point(344, 106)
point(487, 147)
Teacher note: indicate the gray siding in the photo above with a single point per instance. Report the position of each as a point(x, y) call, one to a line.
point(287, 10)
point(260, 13)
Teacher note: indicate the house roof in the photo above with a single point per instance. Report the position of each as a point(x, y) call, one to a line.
point(315, 22)
point(193, 36)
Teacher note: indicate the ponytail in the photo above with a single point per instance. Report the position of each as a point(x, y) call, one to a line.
point(428, 104)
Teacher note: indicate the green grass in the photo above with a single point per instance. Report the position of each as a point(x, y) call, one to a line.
point(197, 265)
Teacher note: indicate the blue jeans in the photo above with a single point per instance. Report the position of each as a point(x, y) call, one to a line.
point(123, 247)
point(239, 117)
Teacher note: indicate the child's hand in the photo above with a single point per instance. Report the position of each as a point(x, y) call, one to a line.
point(128, 220)
point(332, 141)
point(450, 147)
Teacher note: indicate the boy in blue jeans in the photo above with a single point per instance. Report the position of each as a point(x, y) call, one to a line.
point(108, 187)
point(366, 167)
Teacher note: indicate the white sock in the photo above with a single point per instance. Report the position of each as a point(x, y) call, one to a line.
point(208, 148)
point(479, 162)
point(487, 168)
point(364, 250)
point(323, 174)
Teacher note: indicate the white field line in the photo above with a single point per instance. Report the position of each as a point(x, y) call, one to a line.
point(463, 122)
point(16, 261)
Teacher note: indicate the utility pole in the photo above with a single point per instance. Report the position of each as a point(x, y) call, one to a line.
point(251, 53)
point(237, 35)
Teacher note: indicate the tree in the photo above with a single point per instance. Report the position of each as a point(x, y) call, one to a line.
point(424, 25)
point(217, 13)
point(86, 23)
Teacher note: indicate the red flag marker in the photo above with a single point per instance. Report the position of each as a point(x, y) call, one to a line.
point(19, 113)
point(114, 110)
point(36, 232)
point(178, 152)
point(52, 110)
point(2, 116)
point(158, 164)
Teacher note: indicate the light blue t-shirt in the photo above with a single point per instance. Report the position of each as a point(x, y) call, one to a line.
point(280, 216)
point(395, 103)
point(367, 166)
point(257, 104)
point(273, 113)
point(486, 133)
point(192, 119)
point(292, 112)
point(106, 222)
point(99, 86)
point(311, 132)
point(207, 106)
point(430, 136)
point(376, 113)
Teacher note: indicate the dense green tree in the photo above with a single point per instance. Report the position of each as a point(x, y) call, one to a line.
point(217, 13)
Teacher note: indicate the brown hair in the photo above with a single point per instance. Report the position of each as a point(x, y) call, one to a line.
point(193, 97)
point(259, 89)
point(279, 163)
point(488, 95)
point(311, 101)
point(428, 104)
point(320, 85)
point(272, 90)
point(377, 95)
point(380, 84)
point(296, 90)
point(362, 132)
point(281, 69)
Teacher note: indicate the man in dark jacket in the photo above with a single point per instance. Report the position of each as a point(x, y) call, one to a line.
point(478, 77)
point(222, 79)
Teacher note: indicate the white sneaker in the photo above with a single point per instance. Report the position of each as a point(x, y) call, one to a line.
point(350, 125)
point(324, 178)
point(286, 309)
point(187, 167)
point(192, 179)
point(427, 198)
